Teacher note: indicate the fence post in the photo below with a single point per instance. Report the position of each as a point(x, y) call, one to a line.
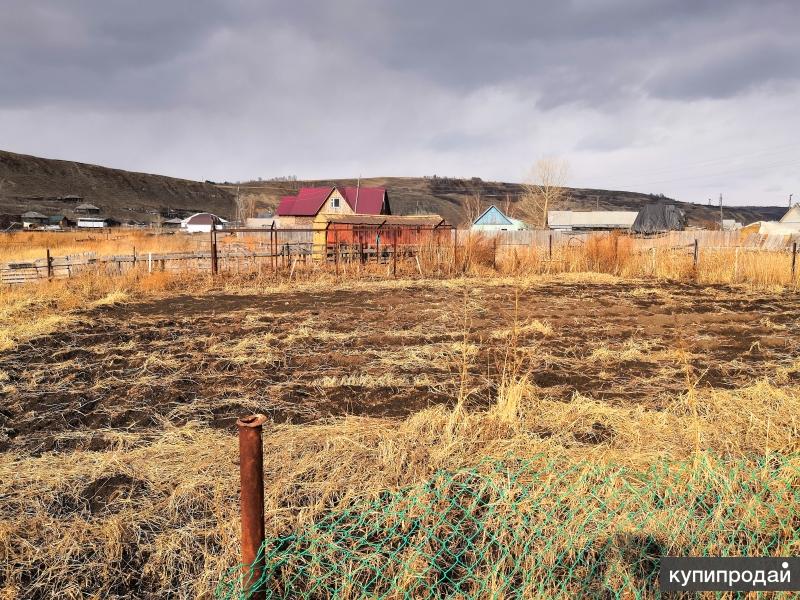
point(49, 265)
point(696, 252)
point(550, 247)
point(336, 250)
point(251, 473)
point(149, 262)
point(213, 250)
point(394, 254)
point(455, 249)
point(794, 260)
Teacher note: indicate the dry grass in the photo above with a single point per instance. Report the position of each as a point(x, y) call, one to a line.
point(167, 523)
point(154, 514)
point(22, 246)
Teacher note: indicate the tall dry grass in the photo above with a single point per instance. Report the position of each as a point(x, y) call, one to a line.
point(25, 246)
point(157, 516)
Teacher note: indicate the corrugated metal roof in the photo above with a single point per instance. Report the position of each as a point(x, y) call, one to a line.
point(597, 219)
point(365, 200)
point(32, 214)
point(309, 201)
point(306, 204)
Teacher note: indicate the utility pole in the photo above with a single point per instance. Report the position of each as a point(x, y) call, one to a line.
point(358, 189)
point(720, 213)
point(790, 200)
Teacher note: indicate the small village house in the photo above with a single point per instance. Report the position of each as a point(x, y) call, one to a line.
point(202, 223)
point(494, 219)
point(33, 220)
point(792, 217)
point(789, 224)
point(300, 211)
point(591, 220)
point(173, 223)
point(58, 222)
point(87, 209)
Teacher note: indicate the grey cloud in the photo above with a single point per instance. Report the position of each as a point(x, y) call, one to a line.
point(207, 88)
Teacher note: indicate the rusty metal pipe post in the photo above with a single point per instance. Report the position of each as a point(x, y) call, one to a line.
point(794, 260)
point(251, 470)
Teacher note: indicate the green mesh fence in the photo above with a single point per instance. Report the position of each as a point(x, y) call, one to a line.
point(535, 528)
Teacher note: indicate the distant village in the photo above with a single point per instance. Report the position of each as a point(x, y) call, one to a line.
point(316, 207)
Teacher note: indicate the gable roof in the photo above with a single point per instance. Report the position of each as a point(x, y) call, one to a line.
point(306, 204)
point(493, 216)
point(32, 214)
point(86, 206)
point(792, 215)
point(309, 201)
point(364, 200)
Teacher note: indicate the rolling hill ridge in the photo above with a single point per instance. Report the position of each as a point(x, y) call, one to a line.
point(52, 186)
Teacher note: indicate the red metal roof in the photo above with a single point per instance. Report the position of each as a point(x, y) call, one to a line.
point(306, 204)
point(365, 200)
point(309, 201)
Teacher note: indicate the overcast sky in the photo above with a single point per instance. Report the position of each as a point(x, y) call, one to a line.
point(686, 98)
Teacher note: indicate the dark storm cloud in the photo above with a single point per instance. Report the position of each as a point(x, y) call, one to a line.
point(155, 54)
point(236, 88)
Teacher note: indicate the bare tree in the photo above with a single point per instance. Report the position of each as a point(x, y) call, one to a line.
point(472, 208)
point(245, 206)
point(544, 187)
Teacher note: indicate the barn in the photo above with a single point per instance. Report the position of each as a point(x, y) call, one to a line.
point(33, 220)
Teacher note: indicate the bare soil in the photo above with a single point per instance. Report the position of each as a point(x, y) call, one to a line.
point(299, 357)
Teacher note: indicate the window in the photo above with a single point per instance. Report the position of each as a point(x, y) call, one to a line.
point(334, 203)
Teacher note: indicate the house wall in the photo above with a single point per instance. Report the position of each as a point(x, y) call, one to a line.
point(91, 224)
point(342, 209)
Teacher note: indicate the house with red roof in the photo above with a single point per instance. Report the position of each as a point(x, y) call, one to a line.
point(302, 209)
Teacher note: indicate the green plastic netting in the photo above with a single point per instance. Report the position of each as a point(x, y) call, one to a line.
point(535, 528)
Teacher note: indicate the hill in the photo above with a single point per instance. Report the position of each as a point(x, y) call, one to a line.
point(56, 186)
point(447, 197)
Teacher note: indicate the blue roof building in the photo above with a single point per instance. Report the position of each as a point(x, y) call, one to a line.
point(493, 219)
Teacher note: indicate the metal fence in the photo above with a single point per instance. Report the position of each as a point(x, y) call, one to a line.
point(265, 250)
point(537, 527)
